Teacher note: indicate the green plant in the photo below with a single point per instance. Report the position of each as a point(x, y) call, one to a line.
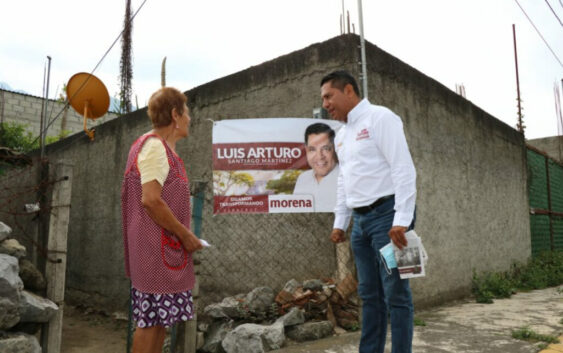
point(491, 285)
point(354, 327)
point(419, 322)
point(542, 346)
point(542, 271)
point(15, 137)
point(527, 334)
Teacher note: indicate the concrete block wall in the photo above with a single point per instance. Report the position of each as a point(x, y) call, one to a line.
point(472, 208)
point(552, 146)
point(26, 109)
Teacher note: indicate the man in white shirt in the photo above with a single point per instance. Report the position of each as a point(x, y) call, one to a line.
point(377, 187)
point(320, 181)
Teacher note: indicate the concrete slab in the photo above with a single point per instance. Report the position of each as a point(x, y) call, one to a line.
point(469, 327)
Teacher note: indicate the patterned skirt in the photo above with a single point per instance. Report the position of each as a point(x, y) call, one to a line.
point(161, 309)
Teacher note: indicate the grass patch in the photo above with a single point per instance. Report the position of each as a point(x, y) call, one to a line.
point(542, 346)
point(542, 271)
point(527, 334)
point(419, 322)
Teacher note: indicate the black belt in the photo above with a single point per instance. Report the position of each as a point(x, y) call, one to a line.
point(379, 201)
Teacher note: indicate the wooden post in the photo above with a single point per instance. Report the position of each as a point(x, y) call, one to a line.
point(55, 267)
point(189, 344)
point(344, 263)
point(190, 333)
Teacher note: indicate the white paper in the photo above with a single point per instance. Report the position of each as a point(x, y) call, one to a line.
point(412, 259)
point(204, 243)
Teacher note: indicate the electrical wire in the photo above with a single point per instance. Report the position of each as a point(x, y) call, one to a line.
point(529, 19)
point(551, 8)
point(91, 73)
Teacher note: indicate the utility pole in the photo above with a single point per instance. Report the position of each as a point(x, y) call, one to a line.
point(520, 124)
point(363, 49)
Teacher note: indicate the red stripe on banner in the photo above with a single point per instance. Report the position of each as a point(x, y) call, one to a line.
point(240, 204)
point(259, 156)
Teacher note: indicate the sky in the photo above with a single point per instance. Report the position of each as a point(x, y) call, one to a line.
point(455, 42)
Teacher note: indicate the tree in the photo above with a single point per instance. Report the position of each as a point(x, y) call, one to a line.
point(223, 181)
point(285, 184)
point(126, 64)
point(15, 137)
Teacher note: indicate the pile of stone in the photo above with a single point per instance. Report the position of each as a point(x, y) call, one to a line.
point(261, 321)
point(22, 308)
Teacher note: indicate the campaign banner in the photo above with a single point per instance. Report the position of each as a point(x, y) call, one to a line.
point(266, 166)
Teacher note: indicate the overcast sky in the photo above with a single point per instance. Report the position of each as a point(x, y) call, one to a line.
point(455, 42)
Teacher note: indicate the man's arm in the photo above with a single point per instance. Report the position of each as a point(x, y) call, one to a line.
point(393, 145)
point(342, 213)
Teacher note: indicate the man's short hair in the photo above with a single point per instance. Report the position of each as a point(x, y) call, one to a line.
point(319, 128)
point(339, 79)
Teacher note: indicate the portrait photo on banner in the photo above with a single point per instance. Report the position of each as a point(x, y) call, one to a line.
point(274, 165)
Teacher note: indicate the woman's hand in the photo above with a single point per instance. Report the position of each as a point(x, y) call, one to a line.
point(190, 242)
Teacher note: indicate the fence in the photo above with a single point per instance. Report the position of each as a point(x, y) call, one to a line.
point(545, 183)
point(36, 204)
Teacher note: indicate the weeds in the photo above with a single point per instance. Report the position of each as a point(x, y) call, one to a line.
point(545, 270)
point(419, 322)
point(527, 334)
point(542, 346)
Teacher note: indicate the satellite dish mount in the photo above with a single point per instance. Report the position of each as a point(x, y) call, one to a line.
point(89, 98)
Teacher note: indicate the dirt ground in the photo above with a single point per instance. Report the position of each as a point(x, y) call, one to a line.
point(90, 332)
point(463, 326)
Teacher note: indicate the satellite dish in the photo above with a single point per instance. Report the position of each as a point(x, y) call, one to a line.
point(88, 96)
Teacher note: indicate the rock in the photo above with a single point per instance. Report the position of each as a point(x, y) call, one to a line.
point(310, 331)
point(19, 343)
point(215, 335)
point(9, 314)
point(119, 316)
point(202, 326)
point(199, 340)
point(294, 317)
point(291, 286)
point(313, 285)
point(5, 231)
point(214, 311)
point(27, 327)
point(260, 299)
point(33, 280)
point(12, 247)
point(231, 307)
point(34, 308)
point(10, 282)
point(252, 338)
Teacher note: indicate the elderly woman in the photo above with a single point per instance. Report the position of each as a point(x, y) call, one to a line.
point(156, 223)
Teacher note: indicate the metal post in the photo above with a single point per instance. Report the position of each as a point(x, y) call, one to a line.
point(520, 124)
point(549, 205)
point(343, 21)
point(363, 48)
point(44, 109)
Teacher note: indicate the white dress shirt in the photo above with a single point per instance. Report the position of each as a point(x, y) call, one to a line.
point(324, 192)
point(374, 162)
